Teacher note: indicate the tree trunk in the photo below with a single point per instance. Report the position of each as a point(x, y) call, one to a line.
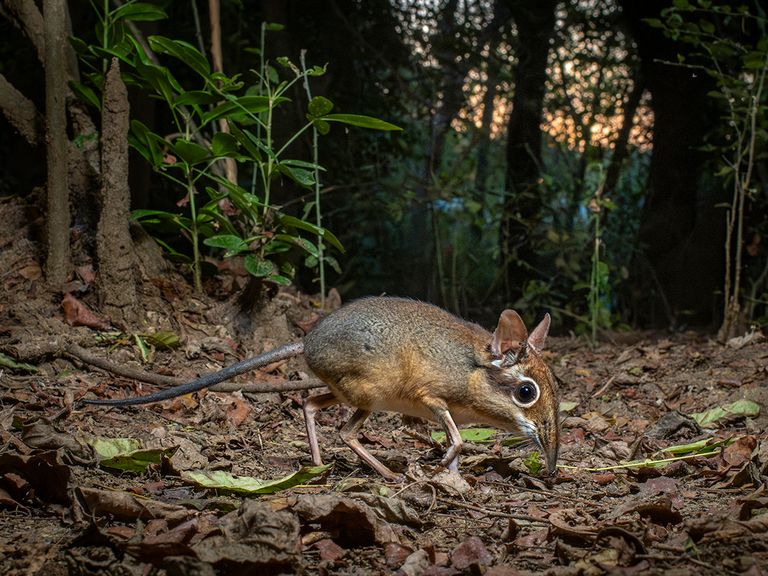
point(522, 209)
point(58, 262)
point(217, 57)
point(620, 146)
point(680, 266)
point(114, 247)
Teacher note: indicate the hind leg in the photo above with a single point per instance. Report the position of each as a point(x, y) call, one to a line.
point(349, 436)
point(311, 405)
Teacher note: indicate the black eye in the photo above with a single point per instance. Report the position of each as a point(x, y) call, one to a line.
point(526, 392)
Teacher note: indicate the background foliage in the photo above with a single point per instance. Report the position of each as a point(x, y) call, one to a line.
point(618, 217)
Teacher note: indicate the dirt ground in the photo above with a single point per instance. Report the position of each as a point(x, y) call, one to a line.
point(632, 496)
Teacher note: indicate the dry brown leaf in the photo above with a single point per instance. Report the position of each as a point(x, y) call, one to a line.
point(471, 553)
point(238, 410)
point(329, 550)
point(78, 314)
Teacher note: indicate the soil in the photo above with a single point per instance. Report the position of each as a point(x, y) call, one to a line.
point(626, 499)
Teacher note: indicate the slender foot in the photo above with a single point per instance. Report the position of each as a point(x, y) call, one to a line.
point(311, 406)
point(349, 435)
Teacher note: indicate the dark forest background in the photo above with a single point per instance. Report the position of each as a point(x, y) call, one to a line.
point(604, 160)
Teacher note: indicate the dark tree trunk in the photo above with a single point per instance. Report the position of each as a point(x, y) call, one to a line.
point(680, 265)
point(58, 262)
point(620, 146)
point(522, 210)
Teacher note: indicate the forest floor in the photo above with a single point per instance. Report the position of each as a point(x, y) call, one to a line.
point(614, 507)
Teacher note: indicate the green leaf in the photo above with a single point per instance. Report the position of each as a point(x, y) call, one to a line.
point(127, 453)
point(191, 152)
point(319, 106)
point(257, 267)
point(142, 346)
point(147, 143)
point(302, 164)
point(11, 364)
point(160, 79)
point(745, 408)
point(361, 121)
point(755, 60)
point(478, 435)
point(233, 244)
point(302, 177)
point(534, 463)
point(327, 235)
point(279, 279)
point(247, 140)
point(197, 98)
point(333, 263)
point(221, 480)
point(699, 447)
point(184, 51)
point(163, 339)
point(316, 71)
point(681, 4)
point(302, 243)
point(86, 94)
point(567, 406)
point(707, 26)
point(224, 144)
point(321, 126)
point(273, 26)
point(252, 104)
point(139, 12)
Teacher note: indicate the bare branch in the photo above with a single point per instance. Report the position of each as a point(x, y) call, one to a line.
point(25, 16)
point(20, 112)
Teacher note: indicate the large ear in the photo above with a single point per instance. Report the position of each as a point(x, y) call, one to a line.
point(539, 335)
point(510, 333)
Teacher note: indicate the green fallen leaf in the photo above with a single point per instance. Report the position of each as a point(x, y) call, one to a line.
point(567, 406)
point(164, 339)
point(533, 463)
point(479, 435)
point(11, 364)
point(220, 480)
point(127, 454)
point(745, 408)
point(699, 447)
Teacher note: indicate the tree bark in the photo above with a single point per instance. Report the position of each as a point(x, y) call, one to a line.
point(58, 261)
point(217, 57)
point(522, 209)
point(25, 16)
point(620, 146)
point(114, 247)
point(21, 112)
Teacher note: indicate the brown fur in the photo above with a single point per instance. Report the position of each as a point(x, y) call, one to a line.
point(406, 356)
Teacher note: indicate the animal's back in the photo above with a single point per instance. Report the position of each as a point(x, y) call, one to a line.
point(380, 352)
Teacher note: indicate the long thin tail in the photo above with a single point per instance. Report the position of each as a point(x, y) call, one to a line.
point(287, 351)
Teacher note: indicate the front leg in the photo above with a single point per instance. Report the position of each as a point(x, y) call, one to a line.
point(443, 416)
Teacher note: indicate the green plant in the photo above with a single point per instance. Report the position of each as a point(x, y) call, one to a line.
point(599, 285)
point(230, 219)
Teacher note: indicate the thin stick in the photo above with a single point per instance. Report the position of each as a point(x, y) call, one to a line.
point(604, 387)
point(524, 517)
point(639, 463)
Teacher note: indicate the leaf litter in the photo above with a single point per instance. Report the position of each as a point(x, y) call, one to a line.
point(663, 469)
